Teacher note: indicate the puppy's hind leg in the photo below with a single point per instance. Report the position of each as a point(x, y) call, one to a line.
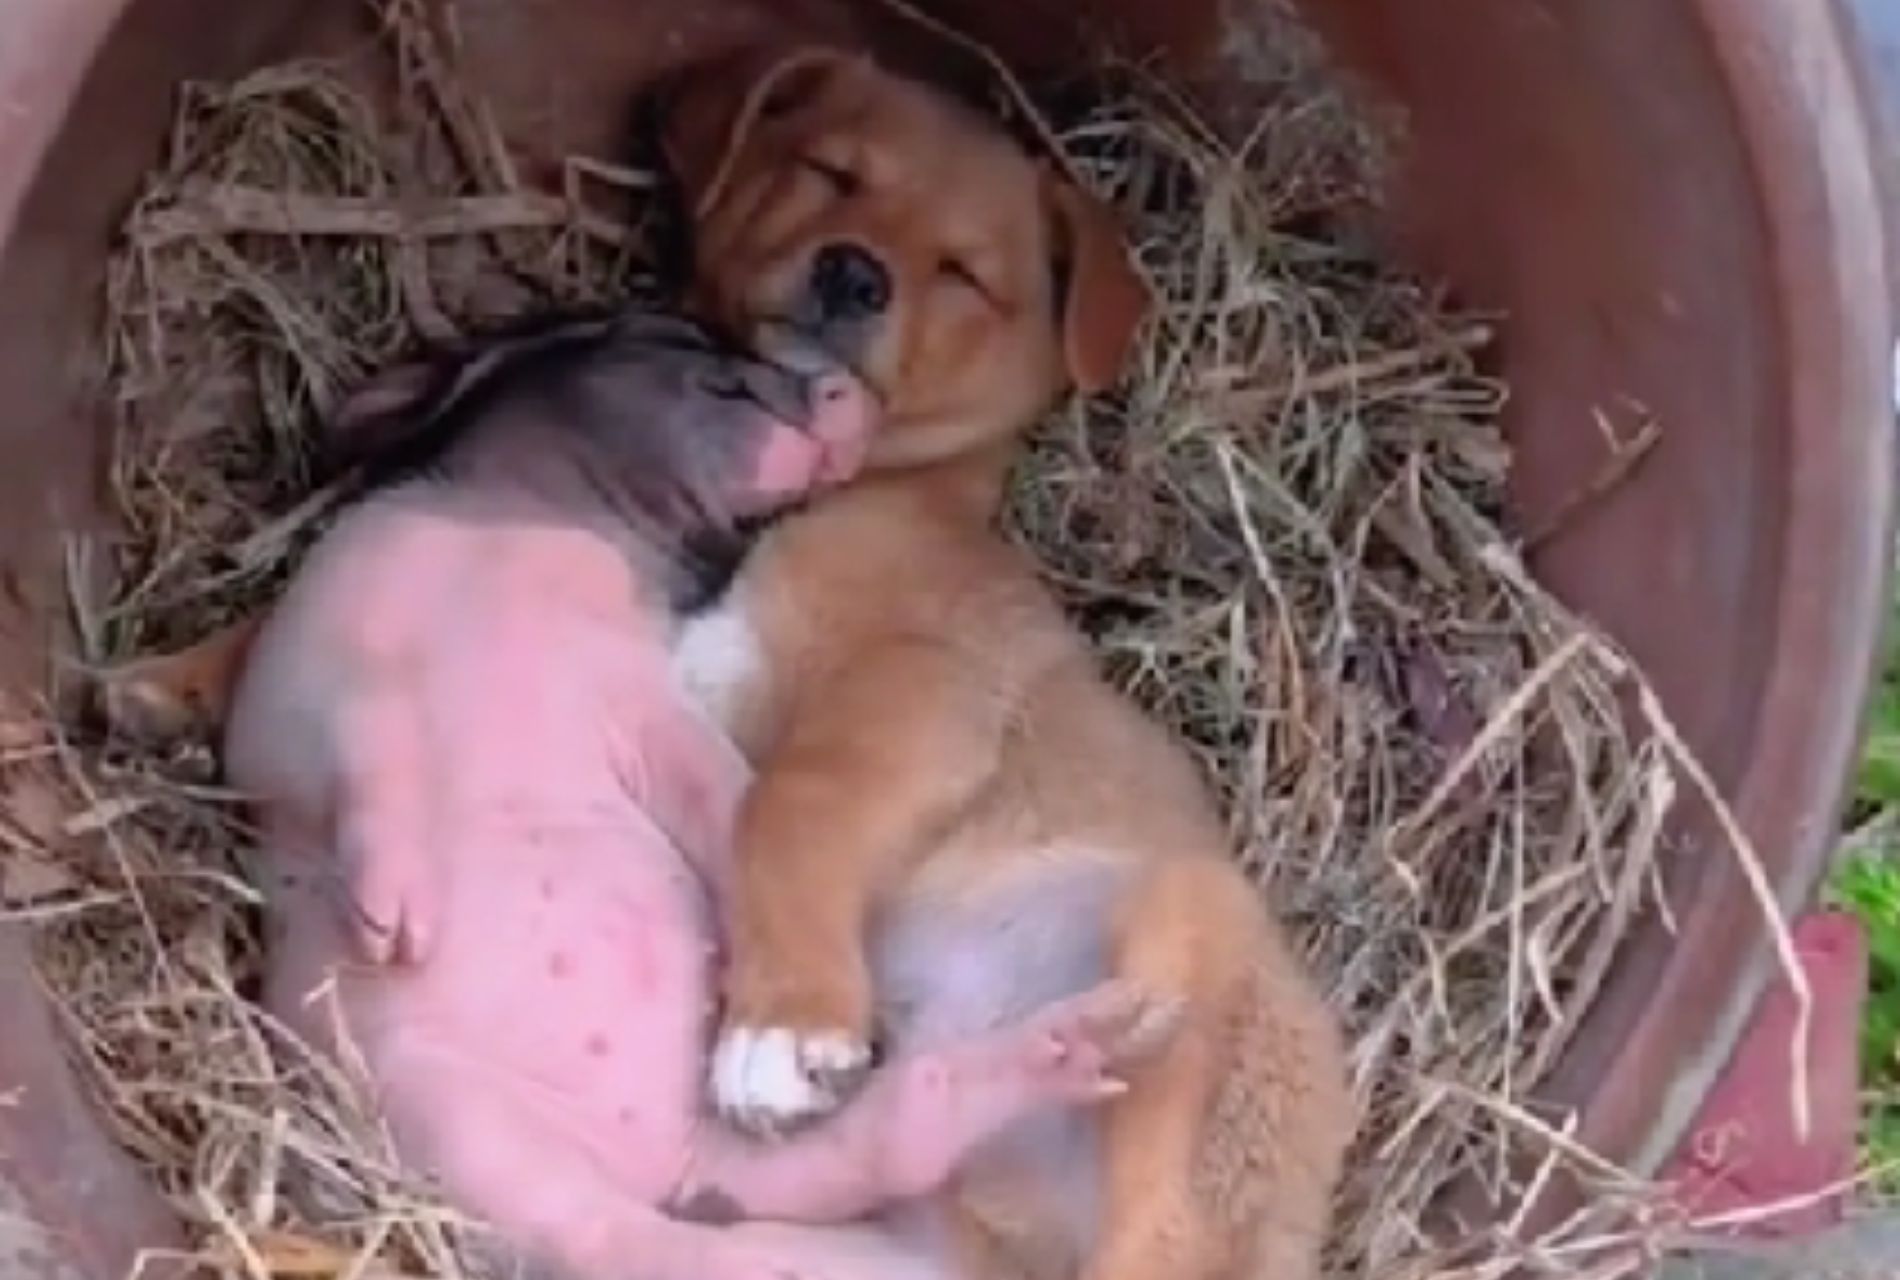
point(1221, 1158)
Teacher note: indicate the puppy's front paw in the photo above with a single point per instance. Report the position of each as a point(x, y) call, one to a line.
point(773, 1079)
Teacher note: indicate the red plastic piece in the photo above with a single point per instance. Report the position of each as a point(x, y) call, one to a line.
point(1743, 1151)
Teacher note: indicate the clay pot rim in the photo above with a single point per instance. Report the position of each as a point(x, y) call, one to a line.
point(1810, 127)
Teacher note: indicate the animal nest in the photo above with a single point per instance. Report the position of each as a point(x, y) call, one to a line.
point(1283, 536)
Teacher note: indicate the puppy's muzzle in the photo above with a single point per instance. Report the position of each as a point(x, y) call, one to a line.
point(848, 285)
point(844, 297)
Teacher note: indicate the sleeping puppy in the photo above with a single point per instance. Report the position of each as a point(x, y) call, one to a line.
point(955, 819)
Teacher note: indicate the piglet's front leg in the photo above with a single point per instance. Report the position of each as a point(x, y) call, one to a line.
point(390, 881)
point(917, 1120)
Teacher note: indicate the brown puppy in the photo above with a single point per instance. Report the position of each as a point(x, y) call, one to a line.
point(954, 816)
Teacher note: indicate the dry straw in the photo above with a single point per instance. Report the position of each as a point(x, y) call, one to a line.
point(1283, 537)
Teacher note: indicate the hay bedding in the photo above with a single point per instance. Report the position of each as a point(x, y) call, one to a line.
point(1283, 537)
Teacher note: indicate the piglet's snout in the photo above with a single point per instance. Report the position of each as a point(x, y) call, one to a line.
point(827, 449)
point(844, 414)
point(787, 464)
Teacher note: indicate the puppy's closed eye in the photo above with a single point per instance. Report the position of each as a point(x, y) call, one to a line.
point(842, 181)
point(956, 271)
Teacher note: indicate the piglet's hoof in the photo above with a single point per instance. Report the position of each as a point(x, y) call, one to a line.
point(935, 1106)
point(394, 936)
point(1067, 1052)
point(1116, 1024)
point(389, 904)
point(771, 1080)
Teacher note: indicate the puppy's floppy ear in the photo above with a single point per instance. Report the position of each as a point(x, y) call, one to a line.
point(1104, 296)
point(712, 109)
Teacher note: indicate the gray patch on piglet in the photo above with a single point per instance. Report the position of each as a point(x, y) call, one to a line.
point(642, 414)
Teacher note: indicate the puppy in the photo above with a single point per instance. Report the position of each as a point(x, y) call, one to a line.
point(495, 829)
point(955, 819)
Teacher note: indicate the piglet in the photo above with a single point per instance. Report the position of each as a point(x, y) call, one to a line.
point(495, 828)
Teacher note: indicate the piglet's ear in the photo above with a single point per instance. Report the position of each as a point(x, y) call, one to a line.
point(1105, 297)
point(711, 110)
point(392, 393)
point(382, 413)
point(394, 411)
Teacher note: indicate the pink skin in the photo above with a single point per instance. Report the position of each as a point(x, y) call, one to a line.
point(494, 824)
point(394, 902)
point(793, 462)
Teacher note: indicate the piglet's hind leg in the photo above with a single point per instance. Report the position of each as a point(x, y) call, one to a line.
point(926, 1114)
point(550, 1203)
point(858, 1252)
point(918, 1119)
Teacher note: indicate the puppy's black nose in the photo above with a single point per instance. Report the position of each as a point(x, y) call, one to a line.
point(849, 283)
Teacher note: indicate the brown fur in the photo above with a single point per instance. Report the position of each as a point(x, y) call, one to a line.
point(927, 719)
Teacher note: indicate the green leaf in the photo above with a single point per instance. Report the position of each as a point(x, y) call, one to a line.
point(1879, 780)
point(1869, 886)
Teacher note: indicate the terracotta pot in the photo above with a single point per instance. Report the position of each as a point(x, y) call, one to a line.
point(1678, 202)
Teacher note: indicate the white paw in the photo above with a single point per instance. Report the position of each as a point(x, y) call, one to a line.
point(770, 1079)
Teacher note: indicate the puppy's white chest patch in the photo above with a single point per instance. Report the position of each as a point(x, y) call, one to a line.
point(718, 660)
